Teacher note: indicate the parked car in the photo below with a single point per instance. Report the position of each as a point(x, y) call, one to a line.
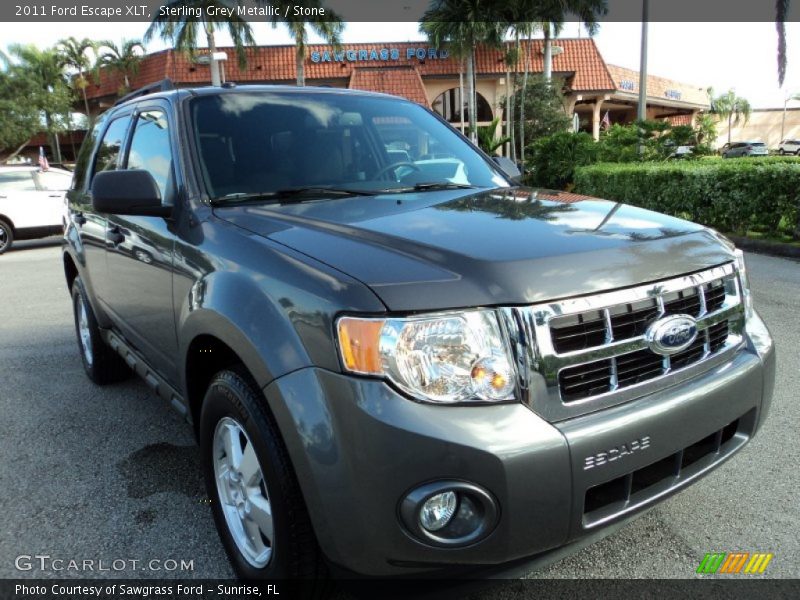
point(789, 146)
point(682, 152)
point(735, 149)
point(393, 370)
point(31, 203)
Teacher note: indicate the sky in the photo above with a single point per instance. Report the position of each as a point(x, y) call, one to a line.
point(738, 56)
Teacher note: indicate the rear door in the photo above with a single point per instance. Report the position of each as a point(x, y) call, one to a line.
point(52, 187)
point(139, 250)
point(19, 198)
point(90, 225)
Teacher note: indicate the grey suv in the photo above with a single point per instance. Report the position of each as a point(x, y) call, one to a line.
point(732, 150)
point(396, 364)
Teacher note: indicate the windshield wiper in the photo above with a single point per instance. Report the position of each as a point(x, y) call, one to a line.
point(429, 186)
point(288, 195)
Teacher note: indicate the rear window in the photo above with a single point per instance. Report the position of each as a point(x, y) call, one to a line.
point(758, 144)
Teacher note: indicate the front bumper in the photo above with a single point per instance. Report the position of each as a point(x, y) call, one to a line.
point(359, 447)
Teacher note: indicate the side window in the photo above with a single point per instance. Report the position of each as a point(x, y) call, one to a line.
point(150, 150)
point(17, 181)
point(108, 152)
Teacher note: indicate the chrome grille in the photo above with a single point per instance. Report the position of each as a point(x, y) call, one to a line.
point(587, 353)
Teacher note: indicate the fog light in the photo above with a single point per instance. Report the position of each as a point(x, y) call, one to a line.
point(438, 510)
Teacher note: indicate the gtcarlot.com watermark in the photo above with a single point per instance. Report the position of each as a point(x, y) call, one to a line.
point(47, 563)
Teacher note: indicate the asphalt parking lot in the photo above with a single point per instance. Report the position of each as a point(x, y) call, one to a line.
point(112, 473)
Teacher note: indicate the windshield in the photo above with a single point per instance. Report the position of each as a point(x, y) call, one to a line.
point(253, 143)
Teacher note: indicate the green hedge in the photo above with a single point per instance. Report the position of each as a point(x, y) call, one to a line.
point(733, 195)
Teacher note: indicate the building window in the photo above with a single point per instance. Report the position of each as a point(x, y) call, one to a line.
point(449, 106)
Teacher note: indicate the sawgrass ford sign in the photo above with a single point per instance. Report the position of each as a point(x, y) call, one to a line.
point(382, 54)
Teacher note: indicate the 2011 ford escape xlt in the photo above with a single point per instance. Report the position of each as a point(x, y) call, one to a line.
point(395, 358)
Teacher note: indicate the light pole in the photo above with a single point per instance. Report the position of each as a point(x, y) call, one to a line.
point(641, 114)
point(785, 102)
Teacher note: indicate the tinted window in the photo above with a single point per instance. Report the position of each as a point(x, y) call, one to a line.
point(108, 152)
point(150, 150)
point(253, 142)
point(53, 181)
point(17, 181)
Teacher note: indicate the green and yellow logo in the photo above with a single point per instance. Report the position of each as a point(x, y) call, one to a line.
point(734, 562)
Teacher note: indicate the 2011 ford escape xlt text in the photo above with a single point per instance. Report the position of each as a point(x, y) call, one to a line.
point(396, 359)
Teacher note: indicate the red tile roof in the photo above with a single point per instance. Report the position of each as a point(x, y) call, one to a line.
point(580, 61)
point(659, 87)
point(399, 81)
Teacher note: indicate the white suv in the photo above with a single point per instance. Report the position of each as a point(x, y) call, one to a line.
point(31, 203)
point(789, 147)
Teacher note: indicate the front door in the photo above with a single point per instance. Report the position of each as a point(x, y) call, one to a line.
point(139, 250)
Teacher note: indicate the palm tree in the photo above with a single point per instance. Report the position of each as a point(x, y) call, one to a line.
point(556, 12)
point(462, 25)
point(124, 59)
point(75, 56)
point(781, 11)
point(330, 28)
point(182, 31)
point(45, 70)
point(731, 107)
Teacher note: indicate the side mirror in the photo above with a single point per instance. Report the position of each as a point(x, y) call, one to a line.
point(508, 167)
point(133, 192)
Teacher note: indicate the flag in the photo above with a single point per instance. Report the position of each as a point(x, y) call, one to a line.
point(43, 164)
point(606, 122)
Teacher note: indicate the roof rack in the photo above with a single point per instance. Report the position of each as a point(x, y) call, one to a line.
point(158, 86)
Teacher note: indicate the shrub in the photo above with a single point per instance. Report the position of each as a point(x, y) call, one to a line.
point(730, 195)
point(553, 158)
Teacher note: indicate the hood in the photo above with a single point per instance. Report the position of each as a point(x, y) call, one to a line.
point(451, 249)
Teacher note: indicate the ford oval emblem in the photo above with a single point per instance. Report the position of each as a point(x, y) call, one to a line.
point(671, 334)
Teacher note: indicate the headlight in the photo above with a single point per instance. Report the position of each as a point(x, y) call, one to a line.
point(747, 297)
point(446, 358)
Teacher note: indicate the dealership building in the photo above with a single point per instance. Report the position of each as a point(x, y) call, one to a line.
point(430, 76)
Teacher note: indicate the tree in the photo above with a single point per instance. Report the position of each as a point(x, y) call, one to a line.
point(182, 30)
point(731, 107)
point(38, 86)
point(557, 11)
point(781, 12)
point(487, 140)
point(329, 27)
point(462, 25)
point(124, 59)
point(543, 105)
point(75, 56)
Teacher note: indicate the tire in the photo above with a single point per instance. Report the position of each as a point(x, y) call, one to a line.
point(6, 236)
point(235, 421)
point(101, 363)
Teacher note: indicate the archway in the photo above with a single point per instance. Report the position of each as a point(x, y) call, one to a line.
point(448, 104)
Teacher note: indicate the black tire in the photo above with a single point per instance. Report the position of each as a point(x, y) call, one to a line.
point(6, 236)
point(101, 363)
point(781, 152)
point(295, 554)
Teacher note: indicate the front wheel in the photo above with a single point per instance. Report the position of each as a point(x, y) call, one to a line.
point(256, 501)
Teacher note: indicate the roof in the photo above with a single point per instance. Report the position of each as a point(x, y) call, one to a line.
point(403, 81)
point(361, 66)
point(661, 88)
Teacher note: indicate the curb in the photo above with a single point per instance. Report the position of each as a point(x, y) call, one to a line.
point(766, 247)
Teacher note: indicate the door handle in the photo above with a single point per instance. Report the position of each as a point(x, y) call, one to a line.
point(115, 236)
point(54, 195)
point(79, 219)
